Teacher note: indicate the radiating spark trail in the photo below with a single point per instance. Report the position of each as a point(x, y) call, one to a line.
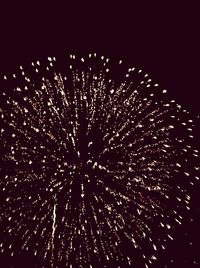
point(92, 156)
point(53, 234)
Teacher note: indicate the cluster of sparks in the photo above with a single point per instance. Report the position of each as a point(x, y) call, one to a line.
point(90, 159)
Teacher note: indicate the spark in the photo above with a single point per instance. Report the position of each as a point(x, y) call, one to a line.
point(91, 159)
point(53, 233)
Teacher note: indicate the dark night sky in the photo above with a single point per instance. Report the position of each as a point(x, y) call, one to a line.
point(162, 39)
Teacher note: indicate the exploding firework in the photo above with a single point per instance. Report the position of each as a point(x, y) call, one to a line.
point(94, 156)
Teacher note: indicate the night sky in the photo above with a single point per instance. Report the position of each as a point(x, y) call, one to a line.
point(161, 39)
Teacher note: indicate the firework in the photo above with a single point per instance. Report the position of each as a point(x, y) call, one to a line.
point(94, 157)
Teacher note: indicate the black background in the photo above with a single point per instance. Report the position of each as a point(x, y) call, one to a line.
point(162, 39)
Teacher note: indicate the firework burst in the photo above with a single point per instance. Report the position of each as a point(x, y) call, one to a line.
point(93, 156)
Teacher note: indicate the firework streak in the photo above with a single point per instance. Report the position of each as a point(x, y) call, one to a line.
point(93, 156)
